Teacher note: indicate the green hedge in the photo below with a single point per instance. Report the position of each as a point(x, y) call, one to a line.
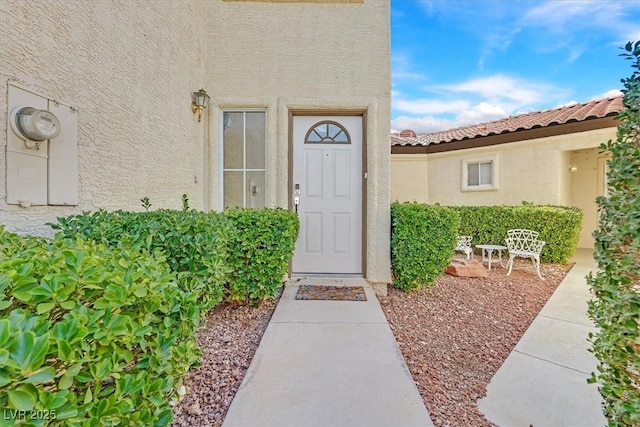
point(91, 335)
point(196, 244)
point(241, 254)
point(615, 308)
point(261, 246)
point(558, 226)
point(422, 242)
point(97, 326)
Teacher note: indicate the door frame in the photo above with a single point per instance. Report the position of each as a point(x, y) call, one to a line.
point(329, 112)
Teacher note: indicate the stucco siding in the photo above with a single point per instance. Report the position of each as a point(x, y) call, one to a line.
point(284, 57)
point(536, 170)
point(413, 169)
point(129, 68)
point(587, 184)
point(299, 49)
point(130, 78)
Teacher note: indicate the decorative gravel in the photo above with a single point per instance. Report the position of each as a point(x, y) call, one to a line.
point(228, 342)
point(454, 336)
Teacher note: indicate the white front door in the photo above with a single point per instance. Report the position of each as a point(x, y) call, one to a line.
point(327, 193)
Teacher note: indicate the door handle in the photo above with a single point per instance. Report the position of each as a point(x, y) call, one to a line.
point(296, 202)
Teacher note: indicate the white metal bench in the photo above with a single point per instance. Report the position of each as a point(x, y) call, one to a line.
point(524, 244)
point(464, 245)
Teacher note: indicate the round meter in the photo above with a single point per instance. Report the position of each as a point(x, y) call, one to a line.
point(34, 124)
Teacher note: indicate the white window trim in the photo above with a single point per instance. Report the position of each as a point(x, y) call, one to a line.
point(494, 174)
point(244, 158)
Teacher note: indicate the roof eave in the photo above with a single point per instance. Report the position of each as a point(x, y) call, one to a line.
point(515, 136)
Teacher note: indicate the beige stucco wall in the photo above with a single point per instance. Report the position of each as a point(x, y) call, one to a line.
point(535, 171)
point(130, 75)
point(409, 178)
point(587, 183)
point(130, 67)
point(283, 57)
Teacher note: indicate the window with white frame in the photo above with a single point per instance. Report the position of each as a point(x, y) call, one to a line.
point(244, 159)
point(480, 174)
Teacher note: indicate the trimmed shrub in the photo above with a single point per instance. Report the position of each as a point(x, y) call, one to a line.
point(97, 327)
point(422, 242)
point(195, 244)
point(559, 226)
point(91, 335)
point(260, 248)
point(615, 308)
point(241, 254)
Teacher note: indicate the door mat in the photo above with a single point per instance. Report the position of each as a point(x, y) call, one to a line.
point(331, 293)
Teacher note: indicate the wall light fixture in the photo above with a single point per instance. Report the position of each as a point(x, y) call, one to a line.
point(200, 102)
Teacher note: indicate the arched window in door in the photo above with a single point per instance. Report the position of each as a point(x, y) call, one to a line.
point(327, 132)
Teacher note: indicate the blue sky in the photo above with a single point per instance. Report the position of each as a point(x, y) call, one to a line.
point(458, 62)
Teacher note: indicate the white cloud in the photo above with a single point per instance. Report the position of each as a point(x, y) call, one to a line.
point(632, 35)
point(576, 26)
point(502, 87)
point(471, 114)
point(429, 106)
point(556, 14)
point(480, 113)
point(566, 104)
point(497, 38)
point(403, 68)
point(599, 17)
point(472, 101)
point(609, 94)
point(424, 124)
point(526, 43)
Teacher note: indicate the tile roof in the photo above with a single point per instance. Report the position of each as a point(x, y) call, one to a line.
point(573, 113)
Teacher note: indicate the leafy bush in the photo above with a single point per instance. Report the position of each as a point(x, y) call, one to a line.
point(194, 243)
point(260, 249)
point(558, 226)
point(615, 308)
point(97, 327)
point(91, 335)
point(422, 242)
point(241, 254)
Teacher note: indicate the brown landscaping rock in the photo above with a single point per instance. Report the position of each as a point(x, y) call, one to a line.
point(464, 268)
point(454, 337)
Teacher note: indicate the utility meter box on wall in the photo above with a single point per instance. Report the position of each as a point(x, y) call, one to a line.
point(42, 150)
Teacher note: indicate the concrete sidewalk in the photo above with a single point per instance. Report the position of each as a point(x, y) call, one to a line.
point(543, 382)
point(336, 363)
point(327, 363)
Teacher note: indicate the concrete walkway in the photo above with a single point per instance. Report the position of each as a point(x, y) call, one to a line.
point(327, 363)
point(543, 382)
point(336, 363)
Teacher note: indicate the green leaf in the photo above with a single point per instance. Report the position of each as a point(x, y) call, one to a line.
point(68, 305)
point(20, 400)
point(41, 376)
point(74, 370)
point(65, 382)
point(39, 351)
point(23, 294)
point(164, 418)
point(140, 292)
point(66, 412)
point(45, 307)
point(4, 331)
point(21, 348)
point(65, 352)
